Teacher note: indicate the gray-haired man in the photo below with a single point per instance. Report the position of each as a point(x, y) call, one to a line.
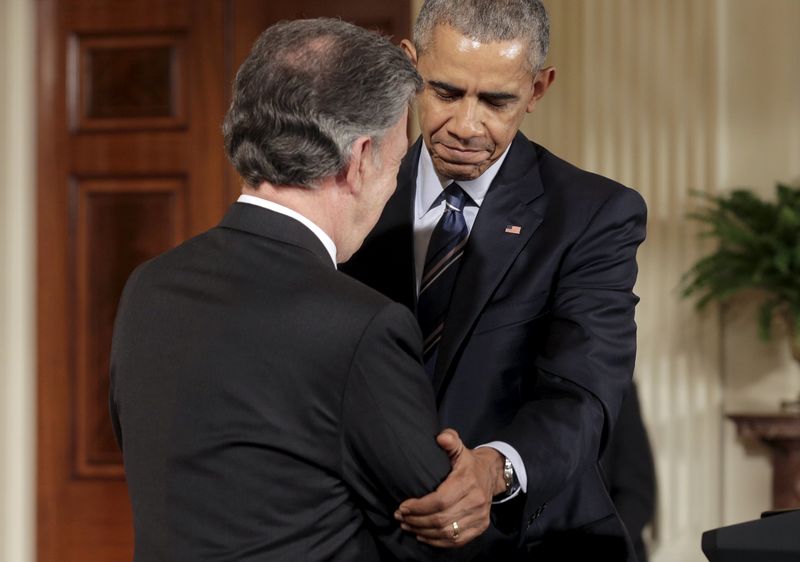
point(268, 406)
point(526, 304)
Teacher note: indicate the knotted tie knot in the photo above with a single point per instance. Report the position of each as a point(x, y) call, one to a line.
point(455, 198)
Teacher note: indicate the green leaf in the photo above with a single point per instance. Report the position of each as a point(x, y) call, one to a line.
point(758, 247)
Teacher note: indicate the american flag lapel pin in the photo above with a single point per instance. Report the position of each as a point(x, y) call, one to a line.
point(513, 229)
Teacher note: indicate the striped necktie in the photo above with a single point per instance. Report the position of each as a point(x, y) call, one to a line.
point(439, 274)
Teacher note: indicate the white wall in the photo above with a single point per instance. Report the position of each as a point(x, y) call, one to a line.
point(17, 284)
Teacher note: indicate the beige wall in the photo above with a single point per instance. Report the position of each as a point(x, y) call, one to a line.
point(635, 100)
point(669, 96)
point(415, 6)
point(759, 144)
point(17, 420)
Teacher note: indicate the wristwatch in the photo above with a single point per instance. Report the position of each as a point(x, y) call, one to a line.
point(508, 475)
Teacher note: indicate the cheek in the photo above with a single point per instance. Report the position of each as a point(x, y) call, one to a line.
point(432, 117)
point(503, 128)
point(385, 189)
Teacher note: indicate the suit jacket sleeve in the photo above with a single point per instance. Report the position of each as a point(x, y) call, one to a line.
point(389, 426)
point(587, 359)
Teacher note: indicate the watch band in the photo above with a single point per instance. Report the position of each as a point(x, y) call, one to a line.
point(508, 475)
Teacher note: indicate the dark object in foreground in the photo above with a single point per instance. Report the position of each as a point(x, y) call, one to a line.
point(772, 538)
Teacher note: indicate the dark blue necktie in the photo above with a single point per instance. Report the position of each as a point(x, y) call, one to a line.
point(442, 261)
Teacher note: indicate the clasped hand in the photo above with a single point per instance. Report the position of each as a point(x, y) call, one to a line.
point(464, 498)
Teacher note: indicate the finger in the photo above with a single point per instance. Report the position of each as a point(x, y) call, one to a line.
point(451, 541)
point(446, 531)
point(447, 543)
point(467, 508)
point(431, 506)
point(452, 498)
point(448, 495)
point(461, 510)
point(450, 443)
point(432, 523)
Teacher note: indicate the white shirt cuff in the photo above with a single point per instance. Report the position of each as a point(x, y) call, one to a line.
point(512, 455)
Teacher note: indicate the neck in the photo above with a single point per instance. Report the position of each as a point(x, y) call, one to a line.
point(319, 205)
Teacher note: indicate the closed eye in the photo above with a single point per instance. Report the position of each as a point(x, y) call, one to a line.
point(445, 91)
point(500, 100)
point(446, 96)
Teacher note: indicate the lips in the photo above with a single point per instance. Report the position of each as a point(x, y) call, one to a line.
point(458, 155)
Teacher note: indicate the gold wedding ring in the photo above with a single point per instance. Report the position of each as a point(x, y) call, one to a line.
point(456, 532)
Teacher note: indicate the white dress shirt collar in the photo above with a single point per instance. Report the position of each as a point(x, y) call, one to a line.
point(272, 206)
point(429, 187)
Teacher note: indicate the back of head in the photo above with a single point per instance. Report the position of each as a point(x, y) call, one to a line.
point(487, 21)
point(306, 92)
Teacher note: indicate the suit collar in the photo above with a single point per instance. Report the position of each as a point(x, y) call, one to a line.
point(276, 226)
point(326, 240)
point(521, 171)
point(514, 200)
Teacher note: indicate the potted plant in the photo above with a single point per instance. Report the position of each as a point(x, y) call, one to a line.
point(758, 248)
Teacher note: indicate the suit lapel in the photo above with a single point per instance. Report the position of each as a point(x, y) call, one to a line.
point(386, 260)
point(513, 200)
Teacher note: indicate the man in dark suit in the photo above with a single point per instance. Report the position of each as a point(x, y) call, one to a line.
point(269, 407)
point(629, 471)
point(520, 268)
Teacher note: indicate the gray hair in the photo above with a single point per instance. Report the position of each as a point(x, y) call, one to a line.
point(306, 92)
point(488, 20)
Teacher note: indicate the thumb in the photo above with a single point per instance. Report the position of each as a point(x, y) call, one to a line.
point(450, 443)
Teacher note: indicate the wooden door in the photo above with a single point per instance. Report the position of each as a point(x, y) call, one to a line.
point(131, 96)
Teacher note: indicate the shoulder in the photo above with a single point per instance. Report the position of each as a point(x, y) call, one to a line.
point(352, 293)
point(567, 186)
point(560, 174)
point(363, 305)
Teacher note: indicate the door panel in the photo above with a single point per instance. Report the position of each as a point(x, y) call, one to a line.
point(129, 165)
point(131, 96)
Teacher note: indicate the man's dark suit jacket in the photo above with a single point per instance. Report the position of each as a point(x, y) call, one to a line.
point(268, 406)
point(539, 342)
point(630, 473)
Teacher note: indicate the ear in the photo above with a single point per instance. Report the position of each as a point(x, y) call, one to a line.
point(409, 50)
point(357, 168)
point(541, 82)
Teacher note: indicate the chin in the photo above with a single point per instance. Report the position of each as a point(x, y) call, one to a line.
point(458, 171)
point(461, 172)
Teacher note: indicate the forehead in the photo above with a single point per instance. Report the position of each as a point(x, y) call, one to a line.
point(469, 64)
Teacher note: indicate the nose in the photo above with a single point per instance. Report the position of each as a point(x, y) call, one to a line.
point(466, 122)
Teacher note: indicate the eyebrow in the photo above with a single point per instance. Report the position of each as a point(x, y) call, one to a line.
point(494, 96)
